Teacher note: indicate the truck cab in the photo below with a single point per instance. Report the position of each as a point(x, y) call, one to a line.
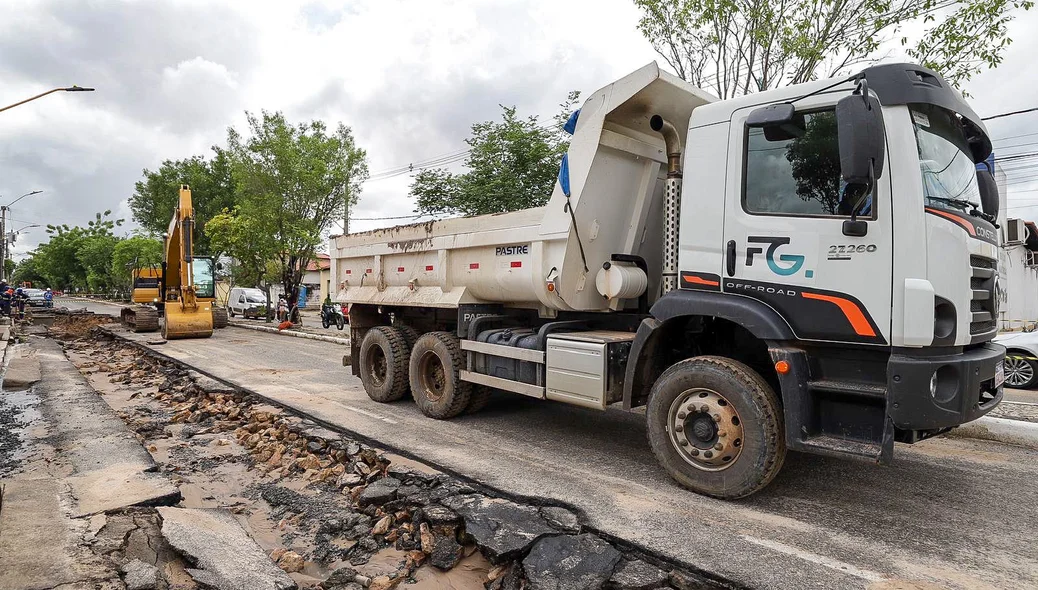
point(871, 313)
point(810, 268)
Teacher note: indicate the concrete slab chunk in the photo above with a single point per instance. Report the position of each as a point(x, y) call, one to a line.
point(22, 372)
point(31, 521)
point(118, 486)
point(215, 542)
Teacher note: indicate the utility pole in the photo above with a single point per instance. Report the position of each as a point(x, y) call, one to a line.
point(3, 232)
point(346, 218)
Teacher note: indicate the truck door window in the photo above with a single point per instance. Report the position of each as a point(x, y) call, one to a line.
point(798, 176)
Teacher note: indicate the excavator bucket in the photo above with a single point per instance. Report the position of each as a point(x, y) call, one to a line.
point(188, 323)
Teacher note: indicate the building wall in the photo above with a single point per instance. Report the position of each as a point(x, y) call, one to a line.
point(1018, 278)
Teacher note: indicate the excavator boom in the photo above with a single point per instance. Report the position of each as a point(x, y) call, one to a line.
point(186, 286)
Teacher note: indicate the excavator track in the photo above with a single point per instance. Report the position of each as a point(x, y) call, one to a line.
point(219, 316)
point(140, 318)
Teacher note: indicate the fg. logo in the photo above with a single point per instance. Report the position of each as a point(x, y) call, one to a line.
point(794, 261)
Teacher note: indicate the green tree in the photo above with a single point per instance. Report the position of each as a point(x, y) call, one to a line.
point(735, 47)
point(212, 191)
point(512, 165)
point(133, 252)
point(27, 270)
point(293, 181)
point(60, 262)
point(247, 244)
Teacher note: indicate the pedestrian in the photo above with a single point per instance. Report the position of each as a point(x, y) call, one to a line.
point(20, 298)
point(48, 298)
point(5, 299)
point(282, 313)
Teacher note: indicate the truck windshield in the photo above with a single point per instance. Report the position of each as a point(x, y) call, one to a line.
point(202, 268)
point(948, 173)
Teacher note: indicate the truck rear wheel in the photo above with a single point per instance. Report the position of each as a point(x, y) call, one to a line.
point(436, 385)
point(716, 427)
point(383, 364)
point(478, 398)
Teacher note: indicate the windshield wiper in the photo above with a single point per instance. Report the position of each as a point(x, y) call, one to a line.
point(962, 203)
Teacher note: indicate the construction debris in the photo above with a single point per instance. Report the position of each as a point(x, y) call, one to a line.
point(339, 507)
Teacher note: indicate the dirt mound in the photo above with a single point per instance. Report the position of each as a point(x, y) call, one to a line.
point(70, 326)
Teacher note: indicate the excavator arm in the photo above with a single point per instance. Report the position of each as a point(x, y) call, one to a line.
point(188, 281)
point(184, 287)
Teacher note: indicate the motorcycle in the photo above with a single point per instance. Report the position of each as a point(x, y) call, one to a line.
point(333, 314)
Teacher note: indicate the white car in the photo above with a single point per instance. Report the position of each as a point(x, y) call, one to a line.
point(1021, 358)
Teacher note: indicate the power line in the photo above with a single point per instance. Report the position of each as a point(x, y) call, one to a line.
point(1000, 115)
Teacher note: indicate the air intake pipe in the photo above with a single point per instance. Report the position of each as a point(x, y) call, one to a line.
point(673, 142)
point(671, 201)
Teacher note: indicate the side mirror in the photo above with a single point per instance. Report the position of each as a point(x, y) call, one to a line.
point(860, 130)
point(988, 192)
point(779, 121)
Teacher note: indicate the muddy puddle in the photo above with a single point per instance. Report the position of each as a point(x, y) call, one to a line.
point(19, 416)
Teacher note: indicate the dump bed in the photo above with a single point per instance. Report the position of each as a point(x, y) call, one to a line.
point(533, 258)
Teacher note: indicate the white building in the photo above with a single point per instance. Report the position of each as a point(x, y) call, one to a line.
point(1017, 266)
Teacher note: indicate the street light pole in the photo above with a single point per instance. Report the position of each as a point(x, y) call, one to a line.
point(72, 88)
point(3, 232)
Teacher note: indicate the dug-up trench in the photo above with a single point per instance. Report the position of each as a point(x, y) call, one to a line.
point(329, 511)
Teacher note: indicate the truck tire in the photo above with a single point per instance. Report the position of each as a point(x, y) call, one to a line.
point(436, 386)
point(410, 336)
point(383, 364)
point(478, 398)
point(716, 426)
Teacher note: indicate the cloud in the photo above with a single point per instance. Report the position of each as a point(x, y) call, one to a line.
point(408, 77)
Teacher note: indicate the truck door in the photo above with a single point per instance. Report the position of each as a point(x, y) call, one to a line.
point(784, 239)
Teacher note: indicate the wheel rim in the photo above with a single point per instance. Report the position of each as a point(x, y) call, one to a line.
point(431, 376)
point(705, 429)
point(377, 365)
point(1018, 372)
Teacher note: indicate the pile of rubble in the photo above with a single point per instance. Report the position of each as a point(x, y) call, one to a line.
point(74, 325)
point(372, 504)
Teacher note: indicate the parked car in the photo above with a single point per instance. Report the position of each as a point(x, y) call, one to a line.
point(249, 303)
point(1021, 354)
point(36, 298)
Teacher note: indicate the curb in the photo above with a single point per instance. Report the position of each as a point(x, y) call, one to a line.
point(1015, 432)
point(307, 335)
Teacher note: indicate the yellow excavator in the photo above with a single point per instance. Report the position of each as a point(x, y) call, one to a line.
point(186, 289)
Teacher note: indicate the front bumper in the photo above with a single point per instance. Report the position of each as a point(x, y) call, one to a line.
point(965, 389)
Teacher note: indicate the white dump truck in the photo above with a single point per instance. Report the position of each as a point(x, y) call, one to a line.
point(808, 268)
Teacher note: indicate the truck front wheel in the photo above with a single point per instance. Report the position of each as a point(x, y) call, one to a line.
point(383, 364)
point(436, 385)
point(716, 427)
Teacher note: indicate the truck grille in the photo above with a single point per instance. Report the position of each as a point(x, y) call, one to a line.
point(984, 304)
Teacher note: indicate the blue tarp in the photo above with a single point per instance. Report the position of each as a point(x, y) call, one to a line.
point(564, 174)
point(571, 124)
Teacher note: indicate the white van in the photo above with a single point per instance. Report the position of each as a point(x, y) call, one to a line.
point(245, 302)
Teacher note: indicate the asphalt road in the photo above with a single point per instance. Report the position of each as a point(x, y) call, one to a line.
point(950, 513)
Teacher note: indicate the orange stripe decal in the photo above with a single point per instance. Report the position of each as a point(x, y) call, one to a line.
point(700, 281)
point(965, 224)
point(850, 310)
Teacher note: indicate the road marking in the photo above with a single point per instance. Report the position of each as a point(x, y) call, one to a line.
point(830, 563)
point(369, 414)
point(1006, 401)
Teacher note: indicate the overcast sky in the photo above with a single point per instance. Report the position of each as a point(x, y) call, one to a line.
point(409, 77)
